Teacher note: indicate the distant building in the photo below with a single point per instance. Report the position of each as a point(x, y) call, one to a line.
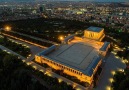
point(77, 56)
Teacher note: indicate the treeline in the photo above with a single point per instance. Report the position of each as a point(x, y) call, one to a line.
point(121, 80)
point(39, 27)
point(16, 47)
point(51, 36)
point(16, 75)
point(124, 54)
point(42, 24)
point(29, 39)
point(61, 73)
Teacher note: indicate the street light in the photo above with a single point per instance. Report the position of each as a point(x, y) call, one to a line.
point(7, 28)
point(61, 38)
point(111, 80)
point(113, 72)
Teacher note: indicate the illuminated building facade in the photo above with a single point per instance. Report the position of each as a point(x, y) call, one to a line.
point(95, 33)
point(76, 56)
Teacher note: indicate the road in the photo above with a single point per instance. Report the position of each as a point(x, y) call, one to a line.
point(112, 64)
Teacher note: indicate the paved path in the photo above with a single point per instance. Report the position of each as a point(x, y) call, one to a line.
point(34, 49)
point(112, 64)
point(40, 39)
point(23, 40)
point(10, 51)
point(52, 74)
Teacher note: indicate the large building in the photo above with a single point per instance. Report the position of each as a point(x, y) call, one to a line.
point(77, 56)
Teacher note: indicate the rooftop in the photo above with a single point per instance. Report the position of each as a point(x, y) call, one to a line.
point(104, 47)
point(94, 29)
point(79, 56)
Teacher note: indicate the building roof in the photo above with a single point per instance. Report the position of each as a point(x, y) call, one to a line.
point(89, 71)
point(94, 29)
point(48, 50)
point(68, 37)
point(104, 47)
point(78, 56)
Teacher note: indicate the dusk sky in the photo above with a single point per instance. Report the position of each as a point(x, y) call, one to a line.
point(74, 0)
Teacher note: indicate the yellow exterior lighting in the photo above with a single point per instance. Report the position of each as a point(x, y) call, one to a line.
point(60, 80)
point(41, 70)
point(111, 80)
point(61, 38)
point(34, 67)
point(108, 88)
point(49, 74)
point(78, 89)
point(28, 63)
point(7, 28)
point(121, 70)
point(123, 61)
point(117, 57)
point(74, 85)
point(113, 72)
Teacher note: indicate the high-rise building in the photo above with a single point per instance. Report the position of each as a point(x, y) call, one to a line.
point(42, 9)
